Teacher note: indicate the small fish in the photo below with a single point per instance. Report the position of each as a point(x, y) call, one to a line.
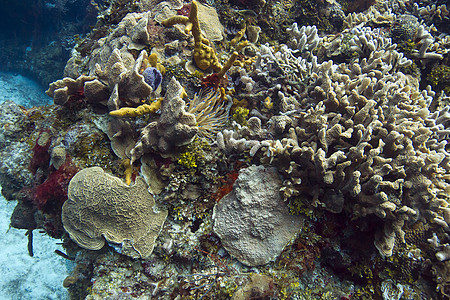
point(247, 12)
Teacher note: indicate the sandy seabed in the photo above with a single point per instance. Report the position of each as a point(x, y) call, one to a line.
point(22, 90)
point(23, 276)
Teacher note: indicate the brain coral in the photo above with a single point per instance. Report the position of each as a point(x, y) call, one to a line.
point(101, 206)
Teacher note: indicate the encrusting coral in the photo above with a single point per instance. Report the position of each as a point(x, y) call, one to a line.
point(253, 221)
point(101, 207)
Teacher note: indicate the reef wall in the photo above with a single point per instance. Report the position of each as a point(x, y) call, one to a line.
point(204, 149)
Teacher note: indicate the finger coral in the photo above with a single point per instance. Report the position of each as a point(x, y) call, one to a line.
point(138, 111)
point(368, 138)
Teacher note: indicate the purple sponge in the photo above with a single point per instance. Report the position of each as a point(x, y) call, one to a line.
point(152, 77)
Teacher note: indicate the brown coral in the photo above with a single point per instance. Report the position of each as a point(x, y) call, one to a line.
point(175, 127)
point(101, 207)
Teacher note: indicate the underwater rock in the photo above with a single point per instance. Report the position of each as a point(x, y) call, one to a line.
point(253, 222)
point(258, 287)
point(210, 23)
point(15, 153)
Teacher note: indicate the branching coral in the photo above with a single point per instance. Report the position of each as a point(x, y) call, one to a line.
point(355, 137)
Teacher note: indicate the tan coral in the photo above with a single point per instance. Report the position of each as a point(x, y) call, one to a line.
point(122, 134)
point(62, 89)
point(363, 130)
point(100, 207)
point(175, 127)
point(96, 91)
point(109, 63)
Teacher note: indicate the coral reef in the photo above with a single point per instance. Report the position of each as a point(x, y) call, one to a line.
point(52, 193)
point(236, 150)
point(372, 152)
point(179, 122)
point(204, 55)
